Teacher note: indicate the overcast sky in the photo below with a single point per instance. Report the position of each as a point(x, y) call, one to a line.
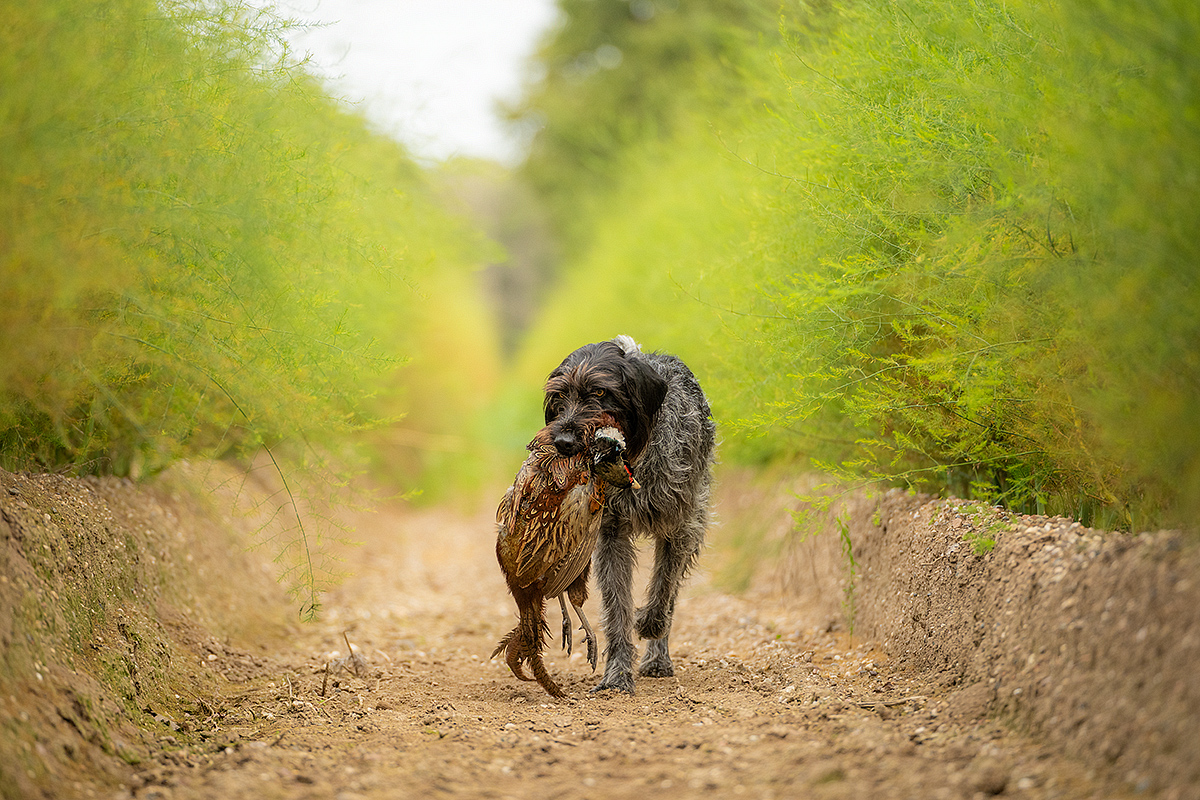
point(428, 72)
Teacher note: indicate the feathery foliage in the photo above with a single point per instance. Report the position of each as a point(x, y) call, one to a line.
point(201, 253)
point(617, 74)
point(949, 245)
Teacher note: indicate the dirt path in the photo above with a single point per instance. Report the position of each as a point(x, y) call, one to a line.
point(764, 704)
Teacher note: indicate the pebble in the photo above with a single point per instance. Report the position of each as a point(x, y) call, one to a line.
point(987, 775)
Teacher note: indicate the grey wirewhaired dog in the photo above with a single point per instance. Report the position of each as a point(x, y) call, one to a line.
point(670, 436)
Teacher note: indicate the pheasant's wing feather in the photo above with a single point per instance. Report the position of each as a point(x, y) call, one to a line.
point(578, 531)
point(540, 515)
point(508, 519)
point(540, 522)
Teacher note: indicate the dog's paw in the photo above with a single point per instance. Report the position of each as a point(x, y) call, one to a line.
point(657, 668)
point(622, 682)
point(651, 623)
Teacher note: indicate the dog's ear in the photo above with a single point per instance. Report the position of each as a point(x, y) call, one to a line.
point(647, 390)
point(555, 383)
point(548, 404)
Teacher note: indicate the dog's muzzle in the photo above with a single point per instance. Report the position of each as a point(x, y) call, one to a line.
point(567, 443)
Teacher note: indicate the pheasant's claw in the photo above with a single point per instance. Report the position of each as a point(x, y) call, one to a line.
point(566, 623)
point(589, 636)
point(592, 648)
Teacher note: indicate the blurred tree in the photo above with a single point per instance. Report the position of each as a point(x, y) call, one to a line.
point(619, 72)
point(521, 269)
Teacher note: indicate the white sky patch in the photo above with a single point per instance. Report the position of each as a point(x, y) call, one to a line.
point(428, 72)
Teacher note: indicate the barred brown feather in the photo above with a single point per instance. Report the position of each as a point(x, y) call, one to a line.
point(547, 525)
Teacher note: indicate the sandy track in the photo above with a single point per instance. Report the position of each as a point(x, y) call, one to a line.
point(765, 703)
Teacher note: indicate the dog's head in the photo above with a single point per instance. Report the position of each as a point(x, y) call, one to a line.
point(602, 378)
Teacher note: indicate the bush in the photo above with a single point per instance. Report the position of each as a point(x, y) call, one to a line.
point(969, 168)
point(201, 253)
point(960, 255)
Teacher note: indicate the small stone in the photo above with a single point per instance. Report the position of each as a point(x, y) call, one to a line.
point(987, 775)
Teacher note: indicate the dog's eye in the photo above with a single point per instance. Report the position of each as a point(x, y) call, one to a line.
point(598, 393)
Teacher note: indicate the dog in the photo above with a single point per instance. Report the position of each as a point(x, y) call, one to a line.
point(671, 439)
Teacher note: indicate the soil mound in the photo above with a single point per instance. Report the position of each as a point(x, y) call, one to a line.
point(1087, 639)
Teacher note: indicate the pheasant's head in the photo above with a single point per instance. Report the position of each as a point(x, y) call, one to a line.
point(608, 459)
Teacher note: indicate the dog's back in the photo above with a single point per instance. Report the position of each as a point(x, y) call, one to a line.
point(675, 469)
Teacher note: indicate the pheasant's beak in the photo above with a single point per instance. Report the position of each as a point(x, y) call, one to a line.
point(632, 480)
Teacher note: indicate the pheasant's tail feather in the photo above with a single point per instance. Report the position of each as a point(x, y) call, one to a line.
point(510, 645)
point(508, 637)
point(514, 659)
point(536, 629)
point(523, 645)
point(543, 677)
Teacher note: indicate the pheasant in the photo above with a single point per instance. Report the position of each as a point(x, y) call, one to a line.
point(547, 524)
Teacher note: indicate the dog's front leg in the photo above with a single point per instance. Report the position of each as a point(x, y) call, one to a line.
point(613, 564)
point(672, 559)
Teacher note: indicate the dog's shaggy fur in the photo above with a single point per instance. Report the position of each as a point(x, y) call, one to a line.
point(665, 417)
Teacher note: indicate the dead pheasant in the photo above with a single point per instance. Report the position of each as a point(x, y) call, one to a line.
point(547, 524)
